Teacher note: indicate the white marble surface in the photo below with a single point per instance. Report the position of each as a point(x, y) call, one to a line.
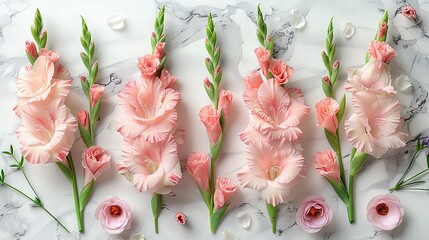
point(235, 24)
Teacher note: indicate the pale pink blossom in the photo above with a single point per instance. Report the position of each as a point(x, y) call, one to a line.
point(30, 49)
point(47, 132)
point(167, 78)
point(52, 55)
point(159, 50)
point(95, 160)
point(225, 187)
point(381, 51)
point(280, 71)
point(253, 81)
point(180, 218)
point(382, 30)
point(375, 126)
point(385, 212)
point(148, 66)
point(152, 167)
point(264, 57)
point(148, 110)
point(225, 101)
point(409, 12)
point(210, 117)
point(326, 114)
point(96, 92)
point(271, 170)
point(313, 214)
point(326, 165)
point(114, 215)
point(198, 168)
point(83, 118)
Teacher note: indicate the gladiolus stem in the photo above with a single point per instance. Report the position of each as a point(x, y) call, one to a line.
point(340, 160)
point(75, 194)
point(272, 213)
point(350, 205)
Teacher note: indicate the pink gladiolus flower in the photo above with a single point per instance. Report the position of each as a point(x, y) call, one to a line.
point(225, 101)
point(180, 218)
point(148, 66)
point(52, 55)
point(198, 168)
point(148, 110)
point(381, 51)
point(253, 81)
point(210, 118)
point(47, 132)
point(273, 171)
point(95, 160)
point(264, 57)
point(159, 50)
point(326, 114)
point(382, 30)
point(167, 78)
point(326, 165)
point(375, 126)
point(409, 12)
point(385, 212)
point(313, 214)
point(225, 187)
point(114, 215)
point(152, 167)
point(96, 92)
point(280, 70)
point(30, 49)
point(83, 117)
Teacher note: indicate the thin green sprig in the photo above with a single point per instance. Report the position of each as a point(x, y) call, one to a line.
point(261, 32)
point(40, 36)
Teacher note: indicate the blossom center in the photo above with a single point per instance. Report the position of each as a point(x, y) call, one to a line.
point(382, 209)
point(314, 212)
point(115, 210)
point(150, 165)
point(272, 172)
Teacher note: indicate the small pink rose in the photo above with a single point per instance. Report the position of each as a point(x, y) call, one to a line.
point(210, 118)
point(326, 113)
point(83, 117)
point(181, 218)
point(313, 214)
point(280, 70)
point(198, 168)
point(52, 55)
point(225, 187)
point(96, 92)
point(326, 165)
point(382, 30)
point(114, 215)
point(253, 81)
point(264, 57)
point(159, 50)
point(167, 78)
point(225, 100)
point(381, 51)
point(30, 49)
point(409, 12)
point(385, 212)
point(148, 66)
point(95, 160)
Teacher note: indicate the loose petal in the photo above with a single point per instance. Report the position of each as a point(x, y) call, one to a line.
point(403, 84)
point(348, 30)
point(244, 220)
point(116, 22)
point(137, 236)
point(227, 235)
point(297, 19)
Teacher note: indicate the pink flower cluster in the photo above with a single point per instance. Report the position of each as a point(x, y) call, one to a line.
point(274, 161)
point(47, 130)
point(149, 126)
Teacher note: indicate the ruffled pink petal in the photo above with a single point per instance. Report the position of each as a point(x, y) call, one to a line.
point(356, 134)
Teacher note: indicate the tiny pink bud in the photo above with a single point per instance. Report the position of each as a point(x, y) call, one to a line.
point(181, 218)
point(208, 60)
point(217, 70)
point(217, 49)
point(206, 40)
point(326, 80)
point(207, 83)
point(336, 64)
point(382, 30)
point(30, 48)
point(83, 118)
point(153, 35)
point(268, 39)
point(83, 78)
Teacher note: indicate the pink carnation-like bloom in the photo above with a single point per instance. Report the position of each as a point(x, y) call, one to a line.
point(381, 51)
point(83, 117)
point(273, 171)
point(225, 101)
point(375, 126)
point(96, 92)
point(210, 117)
point(152, 167)
point(95, 160)
point(47, 132)
point(264, 57)
point(198, 168)
point(148, 110)
point(280, 70)
point(52, 55)
point(313, 214)
point(225, 187)
point(385, 212)
point(253, 81)
point(180, 218)
point(114, 215)
point(409, 12)
point(326, 114)
point(326, 165)
point(148, 66)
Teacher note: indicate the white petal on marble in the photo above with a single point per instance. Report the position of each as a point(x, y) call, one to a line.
point(227, 235)
point(347, 30)
point(116, 22)
point(244, 220)
point(297, 19)
point(137, 236)
point(403, 84)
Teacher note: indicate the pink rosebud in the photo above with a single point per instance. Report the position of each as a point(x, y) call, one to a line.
point(385, 212)
point(198, 168)
point(313, 214)
point(52, 55)
point(167, 78)
point(382, 30)
point(280, 70)
point(83, 117)
point(83, 78)
point(326, 80)
point(114, 215)
point(381, 51)
point(210, 118)
point(207, 82)
point(181, 218)
point(253, 81)
point(336, 64)
point(153, 35)
point(95, 160)
point(225, 187)
point(148, 66)
point(326, 165)
point(264, 57)
point(217, 69)
point(326, 114)
point(225, 100)
point(159, 50)
point(409, 12)
point(95, 93)
point(30, 49)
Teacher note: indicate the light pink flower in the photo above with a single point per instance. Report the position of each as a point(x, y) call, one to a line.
point(264, 57)
point(409, 12)
point(30, 49)
point(152, 167)
point(210, 118)
point(375, 126)
point(326, 165)
point(381, 51)
point(382, 30)
point(52, 55)
point(96, 92)
point(47, 132)
point(253, 81)
point(167, 78)
point(148, 66)
point(225, 101)
point(198, 168)
point(114, 215)
point(83, 117)
point(159, 50)
point(326, 114)
point(95, 160)
point(271, 170)
point(280, 70)
point(148, 110)
point(225, 187)
point(180, 218)
point(313, 214)
point(385, 212)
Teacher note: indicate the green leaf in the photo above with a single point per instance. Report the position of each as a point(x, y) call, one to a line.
point(340, 189)
point(38, 202)
point(84, 195)
point(218, 77)
point(85, 60)
point(326, 89)
point(342, 106)
point(325, 59)
point(270, 45)
point(85, 87)
point(11, 149)
point(2, 176)
point(15, 166)
point(272, 213)
point(162, 64)
point(209, 90)
point(209, 48)
point(333, 140)
point(217, 217)
point(43, 40)
point(93, 72)
point(260, 37)
point(214, 151)
point(6, 152)
point(332, 53)
point(206, 197)
point(209, 66)
point(156, 204)
point(95, 112)
point(91, 49)
point(35, 35)
point(427, 160)
point(66, 171)
point(356, 163)
point(21, 161)
point(30, 58)
point(86, 137)
point(334, 75)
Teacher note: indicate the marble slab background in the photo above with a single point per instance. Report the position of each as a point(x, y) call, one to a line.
point(235, 25)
